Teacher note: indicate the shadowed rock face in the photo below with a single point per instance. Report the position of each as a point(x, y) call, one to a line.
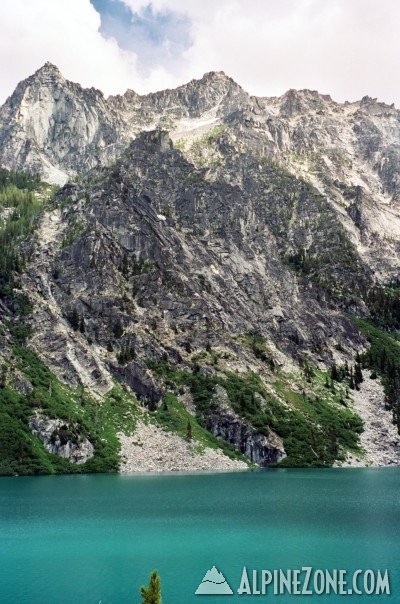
point(224, 423)
point(161, 252)
point(137, 377)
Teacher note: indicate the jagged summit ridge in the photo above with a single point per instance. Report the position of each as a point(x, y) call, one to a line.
point(57, 128)
point(48, 68)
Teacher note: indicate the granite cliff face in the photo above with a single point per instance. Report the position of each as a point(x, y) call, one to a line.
point(349, 152)
point(59, 129)
point(209, 242)
point(56, 128)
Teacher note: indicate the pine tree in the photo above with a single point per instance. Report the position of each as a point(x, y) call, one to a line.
point(82, 325)
point(74, 319)
point(3, 376)
point(125, 266)
point(189, 431)
point(351, 382)
point(152, 593)
point(358, 377)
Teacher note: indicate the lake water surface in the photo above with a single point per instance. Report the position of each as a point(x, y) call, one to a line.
point(91, 539)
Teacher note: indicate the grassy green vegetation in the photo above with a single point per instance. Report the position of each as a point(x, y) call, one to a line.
point(206, 140)
point(21, 201)
point(74, 230)
point(322, 426)
point(384, 304)
point(20, 180)
point(209, 137)
point(259, 347)
point(23, 453)
point(215, 132)
point(210, 356)
point(384, 346)
point(383, 357)
point(204, 150)
point(316, 429)
point(174, 416)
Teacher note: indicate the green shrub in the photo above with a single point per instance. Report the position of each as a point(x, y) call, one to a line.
point(23, 453)
point(314, 432)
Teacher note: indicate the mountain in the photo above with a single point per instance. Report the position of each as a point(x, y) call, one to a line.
point(349, 152)
point(214, 260)
point(58, 129)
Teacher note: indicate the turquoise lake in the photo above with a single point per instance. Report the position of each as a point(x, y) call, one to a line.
point(91, 539)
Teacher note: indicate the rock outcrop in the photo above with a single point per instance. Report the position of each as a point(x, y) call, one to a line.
point(138, 378)
point(61, 438)
point(223, 422)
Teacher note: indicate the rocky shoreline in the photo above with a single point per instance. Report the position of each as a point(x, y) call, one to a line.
point(152, 449)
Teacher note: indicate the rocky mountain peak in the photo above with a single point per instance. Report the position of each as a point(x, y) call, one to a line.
point(49, 69)
point(47, 76)
point(217, 75)
point(372, 107)
point(218, 79)
point(295, 102)
point(214, 92)
point(368, 100)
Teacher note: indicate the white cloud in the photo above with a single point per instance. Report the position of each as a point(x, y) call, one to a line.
point(347, 48)
point(67, 34)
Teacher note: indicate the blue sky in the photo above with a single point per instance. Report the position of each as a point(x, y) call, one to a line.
point(155, 37)
point(345, 48)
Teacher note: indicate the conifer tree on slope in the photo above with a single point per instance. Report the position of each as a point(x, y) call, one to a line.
point(152, 593)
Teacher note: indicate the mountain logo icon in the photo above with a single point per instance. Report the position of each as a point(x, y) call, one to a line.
point(214, 584)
